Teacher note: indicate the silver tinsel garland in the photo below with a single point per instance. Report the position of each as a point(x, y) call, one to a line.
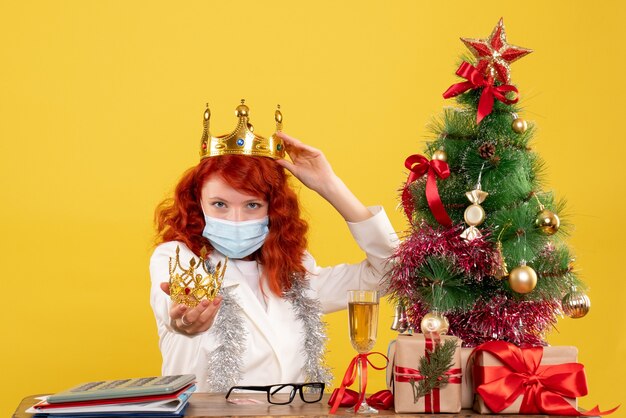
point(309, 311)
point(224, 363)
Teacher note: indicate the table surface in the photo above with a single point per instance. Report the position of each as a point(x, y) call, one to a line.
point(203, 405)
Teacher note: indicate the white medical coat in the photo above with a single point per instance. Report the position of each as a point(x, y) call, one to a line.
point(274, 337)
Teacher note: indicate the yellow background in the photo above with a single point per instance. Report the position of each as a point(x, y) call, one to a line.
point(100, 113)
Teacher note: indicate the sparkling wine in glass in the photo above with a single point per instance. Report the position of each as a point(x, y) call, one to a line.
point(363, 317)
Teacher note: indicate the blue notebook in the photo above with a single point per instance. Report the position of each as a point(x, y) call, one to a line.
point(178, 413)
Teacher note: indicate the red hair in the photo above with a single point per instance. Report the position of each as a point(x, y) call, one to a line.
point(181, 219)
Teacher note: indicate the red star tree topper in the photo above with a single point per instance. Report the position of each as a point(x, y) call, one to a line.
point(494, 54)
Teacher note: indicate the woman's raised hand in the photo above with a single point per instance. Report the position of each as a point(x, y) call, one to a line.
point(311, 167)
point(193, 320)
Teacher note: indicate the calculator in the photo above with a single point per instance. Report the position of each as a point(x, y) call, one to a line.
point(123, 388)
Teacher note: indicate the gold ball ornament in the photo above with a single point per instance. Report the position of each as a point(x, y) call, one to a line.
point(576, 304)
point(440, 154)
point(548, 222)
point(434, 323)
point(519, 125)
point(523, 279)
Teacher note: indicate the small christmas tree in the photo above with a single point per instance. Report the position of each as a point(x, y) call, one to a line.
point(485, 259)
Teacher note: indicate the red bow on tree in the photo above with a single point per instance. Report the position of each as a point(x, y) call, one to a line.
point(418, 165)
point(476, 79)
point(543, 387)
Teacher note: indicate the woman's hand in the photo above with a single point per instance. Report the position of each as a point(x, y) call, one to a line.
point(193, 320)
point(311, 167)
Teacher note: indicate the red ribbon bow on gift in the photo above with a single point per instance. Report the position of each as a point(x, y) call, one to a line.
point(350, 377)
point(418, 165)
point(542, 386)
point(475, 79)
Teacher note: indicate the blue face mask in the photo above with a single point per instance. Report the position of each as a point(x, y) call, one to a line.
point(236, 239)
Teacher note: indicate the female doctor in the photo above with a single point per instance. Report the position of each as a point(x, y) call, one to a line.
point(265, 327)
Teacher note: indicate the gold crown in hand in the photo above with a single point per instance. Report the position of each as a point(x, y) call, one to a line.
point(189, 286)
point(243, 140)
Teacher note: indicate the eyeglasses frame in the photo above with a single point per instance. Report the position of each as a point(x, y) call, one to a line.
point(297, 387)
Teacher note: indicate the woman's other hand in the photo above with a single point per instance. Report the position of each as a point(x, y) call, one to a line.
point(310, 166)
point(193, 320)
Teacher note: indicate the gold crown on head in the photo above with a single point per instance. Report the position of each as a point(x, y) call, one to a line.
point(189, 286)
point(243, 140)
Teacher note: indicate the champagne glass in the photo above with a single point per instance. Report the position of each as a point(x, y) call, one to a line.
point(363, 317)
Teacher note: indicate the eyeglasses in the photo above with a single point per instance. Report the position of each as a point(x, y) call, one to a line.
point(283, 394)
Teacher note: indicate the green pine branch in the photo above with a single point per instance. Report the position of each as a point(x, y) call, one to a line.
point(442, 285)
point(433, 368)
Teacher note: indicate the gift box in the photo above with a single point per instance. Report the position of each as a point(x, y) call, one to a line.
point(408, 383)
point(467, 389)
point(391, 354)
point(537, 380)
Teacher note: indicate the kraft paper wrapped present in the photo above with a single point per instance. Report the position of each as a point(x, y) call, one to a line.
point(467, 389)
point(404, 376)
point(391, 354)
point(500, 369)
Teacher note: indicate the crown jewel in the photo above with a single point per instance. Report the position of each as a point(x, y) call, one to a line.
point(189, 286)
point(243, 140)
